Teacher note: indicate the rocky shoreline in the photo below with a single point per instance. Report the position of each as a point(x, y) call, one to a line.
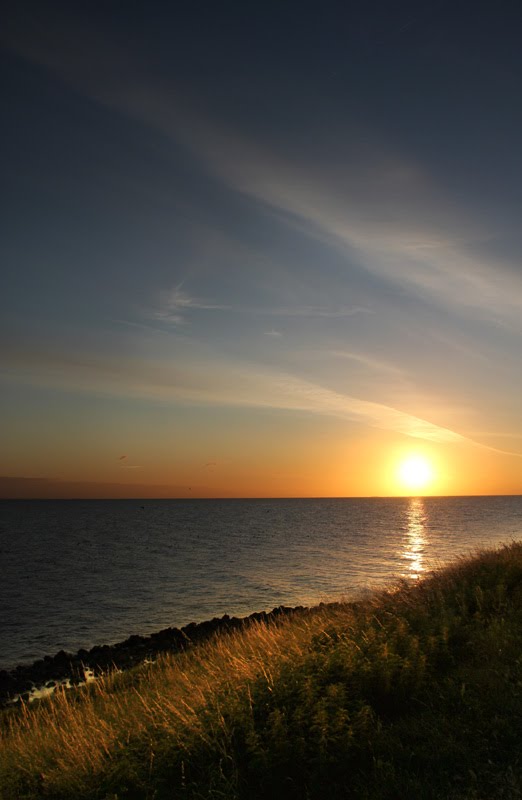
point(71, 668)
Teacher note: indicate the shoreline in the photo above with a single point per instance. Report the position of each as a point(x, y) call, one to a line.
point(414, 690)
point(71, 668)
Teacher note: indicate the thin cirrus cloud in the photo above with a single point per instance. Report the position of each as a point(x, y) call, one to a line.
point(211, 383)
point(386, 208)
point(388, 211)
point(332, 312)
point(174, 305)
point(431, 259)
point(421, 240)
point(366, 361)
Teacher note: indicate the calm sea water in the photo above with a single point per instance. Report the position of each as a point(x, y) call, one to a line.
point(79, 573)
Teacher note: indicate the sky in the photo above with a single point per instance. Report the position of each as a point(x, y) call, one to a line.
point(260, 249)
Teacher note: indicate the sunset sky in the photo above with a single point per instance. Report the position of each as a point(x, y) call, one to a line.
point(260, 249)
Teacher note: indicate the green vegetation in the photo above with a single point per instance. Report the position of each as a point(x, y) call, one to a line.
point(415, 693)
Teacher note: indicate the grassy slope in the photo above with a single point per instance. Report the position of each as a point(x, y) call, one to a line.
point(414, 694)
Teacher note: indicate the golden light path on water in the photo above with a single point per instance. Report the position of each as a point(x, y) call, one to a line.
point(415, 539)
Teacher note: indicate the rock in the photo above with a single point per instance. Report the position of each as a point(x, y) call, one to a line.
point(125, 654)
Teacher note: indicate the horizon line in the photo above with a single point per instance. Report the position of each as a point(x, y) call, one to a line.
point(272, 497)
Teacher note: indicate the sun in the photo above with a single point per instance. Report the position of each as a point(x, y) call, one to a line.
point(415, 473)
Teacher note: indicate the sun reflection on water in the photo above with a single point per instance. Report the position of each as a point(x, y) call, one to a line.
point(415, 539)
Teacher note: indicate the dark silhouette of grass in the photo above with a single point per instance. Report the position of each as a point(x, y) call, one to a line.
point(415, 693)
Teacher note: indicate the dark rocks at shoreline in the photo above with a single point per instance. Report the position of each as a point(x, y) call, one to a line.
point(123, 655)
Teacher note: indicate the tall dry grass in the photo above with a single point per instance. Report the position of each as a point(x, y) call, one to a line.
point(415, 692)
point(62, 744)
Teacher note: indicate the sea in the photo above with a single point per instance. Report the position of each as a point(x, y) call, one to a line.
point(75, 573)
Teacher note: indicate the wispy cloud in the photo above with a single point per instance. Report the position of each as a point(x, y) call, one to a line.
point(384, 211)
point(410, 243)
point(175, 304)
point(366, 361)
point(293, 393)
point(174, 307)
point(328, 312)
point(218, 383)
point(386, 208)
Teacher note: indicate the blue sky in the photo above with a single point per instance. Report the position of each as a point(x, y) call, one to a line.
point(305, 210)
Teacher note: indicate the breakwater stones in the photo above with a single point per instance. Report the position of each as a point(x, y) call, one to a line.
point(71, 668)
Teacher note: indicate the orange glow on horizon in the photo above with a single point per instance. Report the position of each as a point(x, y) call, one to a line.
point(310, 458)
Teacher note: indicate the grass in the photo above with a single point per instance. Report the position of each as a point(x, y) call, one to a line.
point(414, 693)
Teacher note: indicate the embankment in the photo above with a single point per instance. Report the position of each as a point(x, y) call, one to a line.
point(413, 693)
